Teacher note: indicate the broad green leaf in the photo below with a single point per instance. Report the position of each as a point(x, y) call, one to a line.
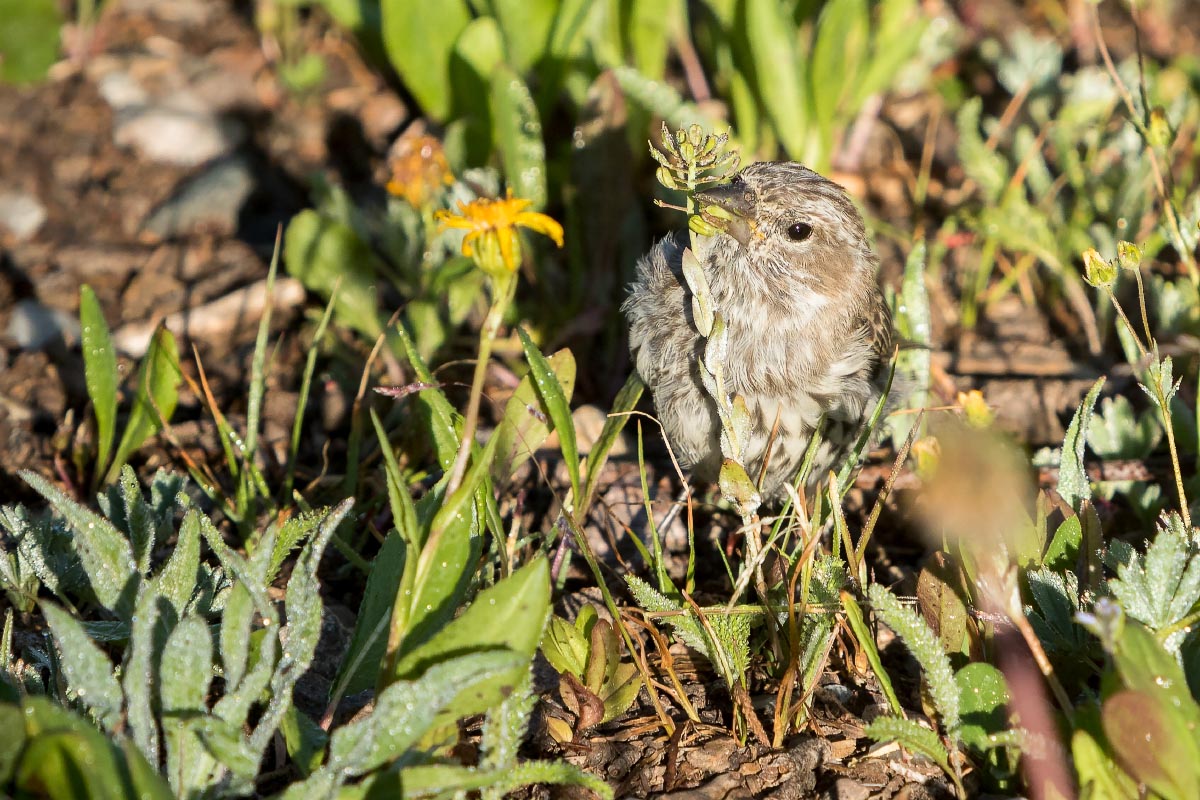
point(983, 696)
point(323, 253)
point(478, 53)
point(526, 25)
point(526, 418)
point(566, 647)
point(1064, 546)
point(157, 394)
point(649, 26)
point(838, 51)
point(779, 73)
point(659, 98)
point(13, 741)
point(419, 36)
point(1073, 482)
point(1099, 776)
point(186, 670)
point(104, 553)
point(517, 132)
point(557, 406)
point(1153, 743)
point(509, 615)
point(406, 710)
point(88, 670)
point(404, 512)
point(29, 39)
point(305, 740)
point(99, 370)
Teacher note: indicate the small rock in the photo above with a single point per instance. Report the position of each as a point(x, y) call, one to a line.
point(847, 789)
point(175, 135)
point(210, 200)
point(33, 326)
point(21, 213)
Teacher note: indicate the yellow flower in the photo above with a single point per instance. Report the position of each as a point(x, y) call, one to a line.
point(419, 169)
point(491, 227)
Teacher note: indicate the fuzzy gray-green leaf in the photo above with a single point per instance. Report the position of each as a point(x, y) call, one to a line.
point(1073, 482)
point(104, 552)
point(925, 647)
point(177, 579)
point(89, 671)
point(518, 136)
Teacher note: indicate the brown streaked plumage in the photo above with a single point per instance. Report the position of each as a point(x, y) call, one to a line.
point(794, 277)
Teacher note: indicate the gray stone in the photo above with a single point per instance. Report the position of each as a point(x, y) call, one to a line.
point(33, 326)
point(21, 213)
point(174, 135)
point(210, 200)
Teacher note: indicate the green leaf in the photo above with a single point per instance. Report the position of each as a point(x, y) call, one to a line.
point(983, 695)
point(526, 25)
point(526, 418)
point(139, 674)
point(649, 27)
point(566, 647)
point(406, 710)
point(517, 131)
point(13, 741)
point(305, 740)
point(176, 581)
point(323, 253)
point(419, 37)
point(69, 759)
point(157, 394)
point(99, 369)
point(866, 643)
point(780, 75)
point(139, 522)
point(1064, 546)
point(186, 670)
point(360, 667)
point(1073, 482)
point(443, 779)
point(88, 670)
point(554, 397)
point(29, 39)
point(436, 414)
point(911, 735)
point(625, 401)
point(926, 648)
point(839, 49)
point(509, 615)
point(1099, 776)
point(237, 625)
point(984, 166)
point(1153, 743)
point(104, 553)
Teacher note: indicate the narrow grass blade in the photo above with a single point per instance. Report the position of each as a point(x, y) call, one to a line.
point(157, 395)
point(559, 409)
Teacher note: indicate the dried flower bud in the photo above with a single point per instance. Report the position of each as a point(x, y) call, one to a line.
point(1096, 271)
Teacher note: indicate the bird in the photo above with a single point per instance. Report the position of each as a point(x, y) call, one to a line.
point(794, 277)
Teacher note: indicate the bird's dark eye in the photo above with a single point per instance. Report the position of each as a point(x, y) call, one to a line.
point(799, 231)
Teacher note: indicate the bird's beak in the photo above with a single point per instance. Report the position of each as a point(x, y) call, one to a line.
point(729, 208)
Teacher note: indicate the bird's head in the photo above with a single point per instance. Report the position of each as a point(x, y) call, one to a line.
point(788, 225)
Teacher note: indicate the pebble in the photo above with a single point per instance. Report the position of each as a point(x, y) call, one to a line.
point(847, 789)
point(21, 214)
point(210, 201)
point(174, 135)
point(32, 326)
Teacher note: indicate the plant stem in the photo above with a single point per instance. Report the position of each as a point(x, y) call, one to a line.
point(502, 293)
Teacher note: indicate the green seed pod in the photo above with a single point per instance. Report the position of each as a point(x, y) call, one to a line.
point(1096, 271)
point(1129, 255)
